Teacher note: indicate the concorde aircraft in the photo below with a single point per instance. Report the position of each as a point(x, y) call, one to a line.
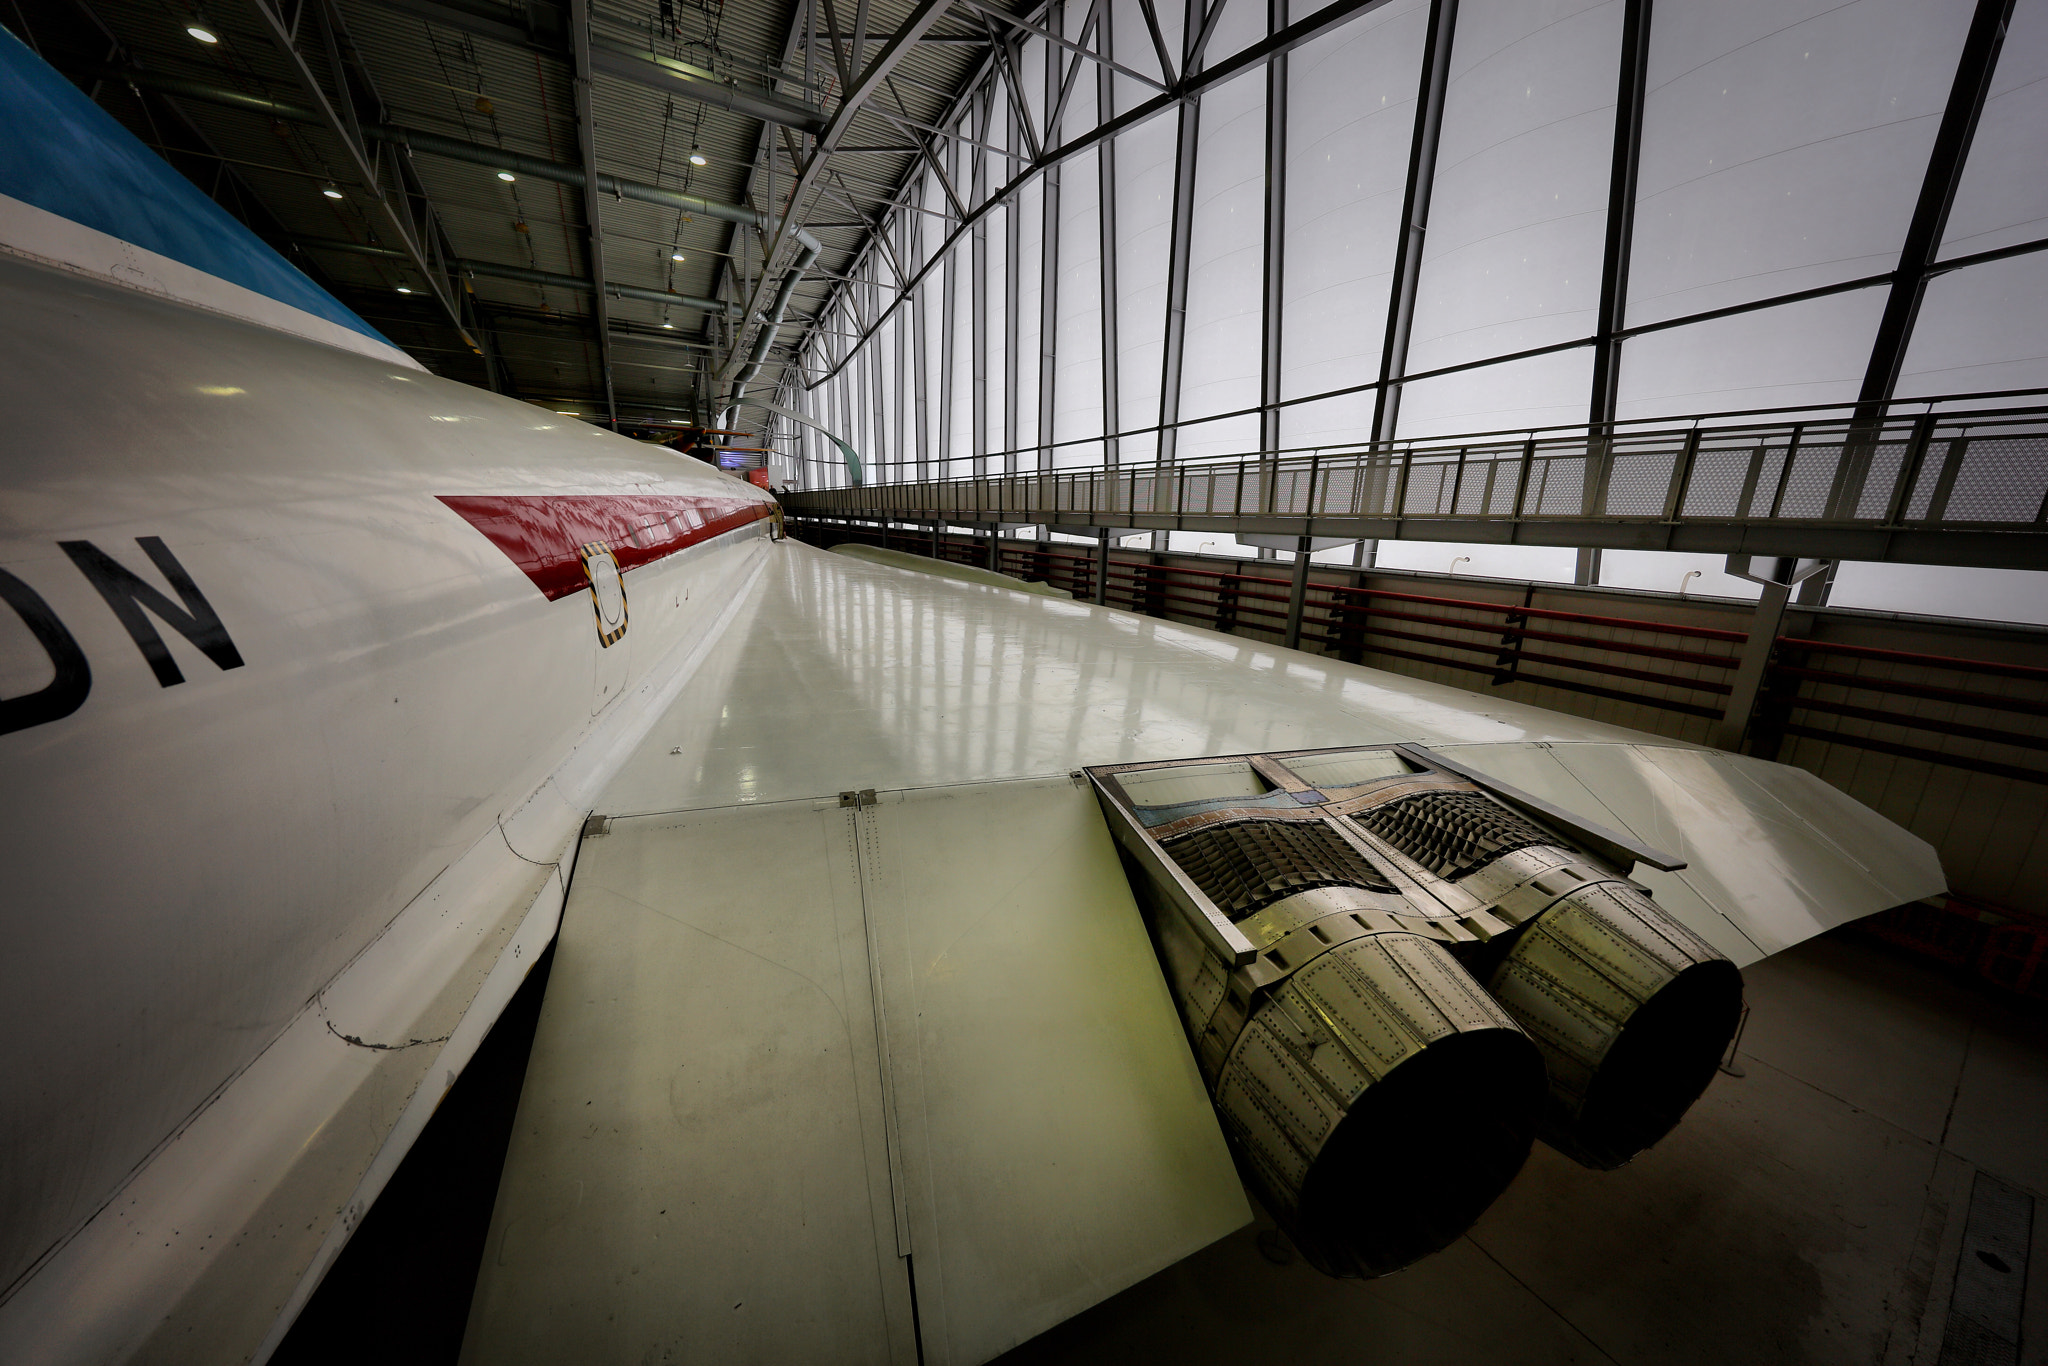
point(326, 683)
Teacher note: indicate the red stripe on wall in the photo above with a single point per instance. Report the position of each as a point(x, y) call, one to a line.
point(541, 533)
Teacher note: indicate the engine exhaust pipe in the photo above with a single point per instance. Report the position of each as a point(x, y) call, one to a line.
point(1325, 919)
point(1632, 1012)
point(1377, 1062)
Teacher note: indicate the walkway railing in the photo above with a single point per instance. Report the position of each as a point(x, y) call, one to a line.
point(1924, 487)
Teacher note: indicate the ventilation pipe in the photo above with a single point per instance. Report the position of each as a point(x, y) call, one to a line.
point(765, 339)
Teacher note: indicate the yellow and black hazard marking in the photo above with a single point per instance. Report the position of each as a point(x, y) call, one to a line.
point(607, 590)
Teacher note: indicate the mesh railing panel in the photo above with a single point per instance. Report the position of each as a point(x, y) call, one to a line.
point(1968, 469)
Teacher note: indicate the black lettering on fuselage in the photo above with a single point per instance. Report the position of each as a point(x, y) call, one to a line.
point(128, 594)
point(66, 692)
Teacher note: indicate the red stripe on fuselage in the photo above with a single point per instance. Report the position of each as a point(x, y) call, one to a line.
point(541, 533)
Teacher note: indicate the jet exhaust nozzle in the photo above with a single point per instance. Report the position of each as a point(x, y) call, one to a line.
point(1380, 1101)
point(1632, 1012)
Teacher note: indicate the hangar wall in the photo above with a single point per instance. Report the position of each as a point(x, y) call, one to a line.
point(1614, 210)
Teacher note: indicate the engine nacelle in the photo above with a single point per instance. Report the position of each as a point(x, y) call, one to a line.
point(1632, 1012)
point(1325, 920)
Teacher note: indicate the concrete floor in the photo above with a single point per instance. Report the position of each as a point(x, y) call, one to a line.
point(1812, 1210)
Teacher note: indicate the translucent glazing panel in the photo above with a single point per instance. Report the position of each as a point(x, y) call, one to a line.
point(2003, 197)
point(1132, 45)
point(1541, 391)
point(888, 413)
point(1480, 561)
point(1518, 219)
point(1220, 361)
point(1350, 123)
point(995, 318)
point(1980, 328)
point(1144, 222)
point(1783, 144)
point(961, 448)
point(1030, 286)
point(1242, 23)
point(1944, 591)
point(1811, 352)
point(1343, 420)
point(931, 410)
point(1077, 375)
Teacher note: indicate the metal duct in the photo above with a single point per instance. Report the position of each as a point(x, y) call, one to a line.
point(765, 339)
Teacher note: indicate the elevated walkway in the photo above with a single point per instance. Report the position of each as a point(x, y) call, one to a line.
point(1927, 482)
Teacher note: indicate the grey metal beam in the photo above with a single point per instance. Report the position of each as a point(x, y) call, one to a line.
point(1050, 34)
point(546, 32)
point(1429, 120)
point(1305, 30)
point(1974, 70)
point(1049, 259)
point(1105, 212)
point(586, 143)
point(1274, 279)
point(282, 38)
point(675, 78)
point(1297, 593)
point(496, 271)
point(1013, 254)
point(1938, 546)
point(978, 284)
point(1610, 319)
point(1180, 239)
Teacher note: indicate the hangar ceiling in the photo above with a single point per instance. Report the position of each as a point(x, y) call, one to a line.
point(463, 172)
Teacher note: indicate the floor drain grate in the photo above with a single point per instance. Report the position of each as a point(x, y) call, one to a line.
point(1991, 1278)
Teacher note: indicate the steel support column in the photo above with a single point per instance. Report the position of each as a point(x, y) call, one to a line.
point(1777, 577)
point(1273, 284)
point(1102, 541)
point(977, 194)
point(1297, 592)
point(1186, 152)
point(1429, 121)
point(1105, 209)
point(1013, 251)
point(1049, 251)
point(1611, 317)
point(1944, 173)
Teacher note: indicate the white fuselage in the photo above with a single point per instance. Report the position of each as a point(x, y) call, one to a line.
point(253, 897)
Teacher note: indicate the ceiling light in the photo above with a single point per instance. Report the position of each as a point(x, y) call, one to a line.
point(202, 31)
point(507, 177)
point(330, 190)
point(697, 158)
point(405, 289)
point(670, 326)
point(675, 256)
point(564, 412)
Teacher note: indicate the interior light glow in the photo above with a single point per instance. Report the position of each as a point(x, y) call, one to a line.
point(405, 289)
point(675, 256)
point(202, 33)
point(330, 190)
point(564, 412)
point(507, 177)
point(670, 326)
point(220, 390)
point(699, 159)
